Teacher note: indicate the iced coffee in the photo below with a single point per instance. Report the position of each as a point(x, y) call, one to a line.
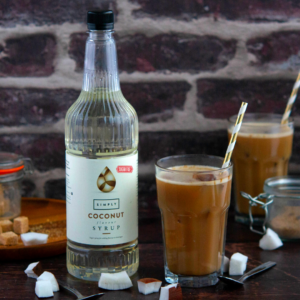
point(263, 149)
point(193, 197)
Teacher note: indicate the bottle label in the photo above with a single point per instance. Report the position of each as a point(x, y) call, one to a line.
point(101, 194)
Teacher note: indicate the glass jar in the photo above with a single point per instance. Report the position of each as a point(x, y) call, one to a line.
point(13, 167)
point(281, 204)
point(284, 212)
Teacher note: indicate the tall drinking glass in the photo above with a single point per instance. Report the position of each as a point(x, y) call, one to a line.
point(193, 196)
point(263, 149)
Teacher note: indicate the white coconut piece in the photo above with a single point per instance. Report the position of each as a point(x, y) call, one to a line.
point(171, 292)
point(47, 276)
point(238, 264)
point(43, 289)
point(34, 270)
point(270, 240)
point(148, 285)
point(115, 281)
point(226, 264)
point(34, 238)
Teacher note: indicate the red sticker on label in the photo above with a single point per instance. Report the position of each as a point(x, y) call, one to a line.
point(124, 169)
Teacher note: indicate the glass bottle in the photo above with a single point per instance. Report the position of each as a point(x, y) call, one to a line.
point(101, 138)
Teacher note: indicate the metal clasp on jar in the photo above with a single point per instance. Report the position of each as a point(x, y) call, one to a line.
point(255, 201)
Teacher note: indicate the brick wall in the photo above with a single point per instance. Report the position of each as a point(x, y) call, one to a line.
point(185, 66)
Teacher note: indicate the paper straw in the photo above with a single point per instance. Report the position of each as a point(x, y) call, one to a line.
point(291, 101)
point(234, 135)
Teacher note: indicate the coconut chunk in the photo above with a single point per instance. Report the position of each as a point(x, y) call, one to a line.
point(115, 281)
point(171, 292)
point(226, 264)
point(34, 238)
point(34, 270)
point(148, 285)
point(238, 264)
point(175, 293)
point(43, 289)
point(270, 240)
point(47, 276)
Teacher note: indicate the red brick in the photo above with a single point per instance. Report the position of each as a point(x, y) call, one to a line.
point(279, 50)
point(55, 189)
point(77, 49)
point(222, 98)
point(47, 151)
point(28, 187)
point(176, 53)
point(34, 106)
point(156, 101)
point(31, 55)
point(156, 145)
point(153, 101)
point(245, 10)
point(48, 12)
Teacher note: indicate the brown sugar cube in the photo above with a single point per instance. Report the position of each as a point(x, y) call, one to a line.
point(1, 193)
point(21, 225)
point(4, 200)
point(6, 206)
point(8, 238)
point(2, 208)
point(6, 225)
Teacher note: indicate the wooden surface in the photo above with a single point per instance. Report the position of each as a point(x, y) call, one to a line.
point(281, 282)
point(45, 216)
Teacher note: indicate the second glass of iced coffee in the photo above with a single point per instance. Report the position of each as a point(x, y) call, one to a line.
point(263, 149)
point(193, 197)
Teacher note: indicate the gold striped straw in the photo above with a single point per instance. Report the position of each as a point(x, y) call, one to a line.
point(291, 101)
point(234, 134)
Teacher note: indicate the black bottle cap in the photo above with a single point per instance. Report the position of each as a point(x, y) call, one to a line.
point(100, 20)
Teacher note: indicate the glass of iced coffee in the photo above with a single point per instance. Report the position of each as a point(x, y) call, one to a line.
point(193, 196)
point(263, 149)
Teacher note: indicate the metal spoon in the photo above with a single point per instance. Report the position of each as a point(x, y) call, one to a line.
point(76, 293)
point(239, 282)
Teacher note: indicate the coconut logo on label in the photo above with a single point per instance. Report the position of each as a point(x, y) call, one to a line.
point(106, 181)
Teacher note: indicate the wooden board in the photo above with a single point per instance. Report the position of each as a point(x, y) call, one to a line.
point(45, 216)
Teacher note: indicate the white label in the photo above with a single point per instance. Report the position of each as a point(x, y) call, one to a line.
point(102, 206)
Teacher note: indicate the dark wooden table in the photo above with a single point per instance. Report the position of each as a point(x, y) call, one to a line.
point(281, 282)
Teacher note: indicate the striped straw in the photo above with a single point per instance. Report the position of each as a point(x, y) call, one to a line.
point(291, 101)
point(234, 135)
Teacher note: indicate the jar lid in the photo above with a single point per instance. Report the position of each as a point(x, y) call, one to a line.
point(10, 163)
point(283, 186)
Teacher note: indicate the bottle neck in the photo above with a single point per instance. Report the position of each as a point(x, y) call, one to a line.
point(100, 63)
